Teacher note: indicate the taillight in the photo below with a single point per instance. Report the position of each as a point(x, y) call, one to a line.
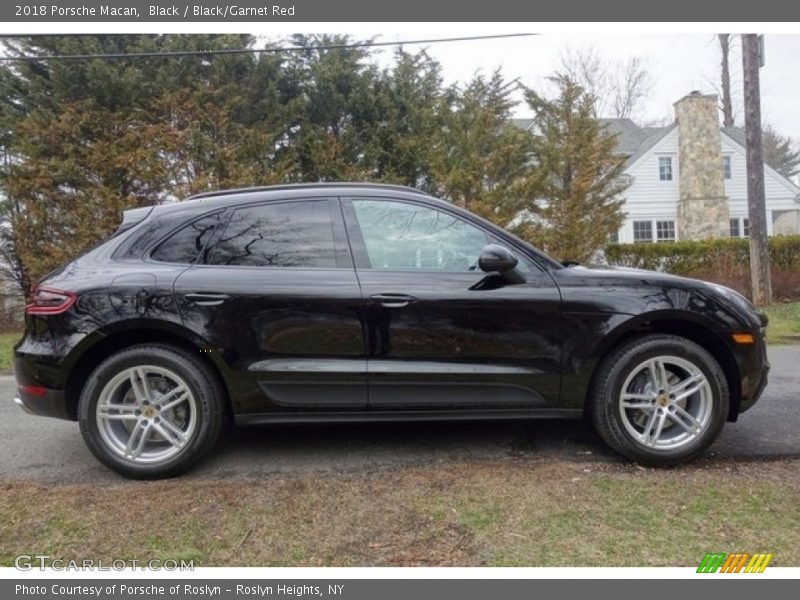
point(49, 301)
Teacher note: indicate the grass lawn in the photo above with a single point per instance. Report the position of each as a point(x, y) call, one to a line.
point(784, 323)
point(7, 341)
point(543, 512)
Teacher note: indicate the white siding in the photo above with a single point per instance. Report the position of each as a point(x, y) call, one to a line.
point(779, 193)
point(649, 198)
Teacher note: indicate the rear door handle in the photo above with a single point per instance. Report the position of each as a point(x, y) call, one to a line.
point(206, 299)
point(393, 300)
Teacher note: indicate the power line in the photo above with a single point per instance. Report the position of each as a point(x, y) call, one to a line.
point(180, 53)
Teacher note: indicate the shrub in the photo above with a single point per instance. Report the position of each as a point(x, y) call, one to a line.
point(724, 261)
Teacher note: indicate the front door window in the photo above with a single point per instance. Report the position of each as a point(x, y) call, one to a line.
point(403, 236)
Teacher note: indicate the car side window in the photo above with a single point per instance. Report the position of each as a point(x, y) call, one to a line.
point(285, 234)
point(184, 245)
point(400, 236)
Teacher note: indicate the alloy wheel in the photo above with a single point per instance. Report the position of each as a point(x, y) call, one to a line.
point(146, 414)
point(666, 403)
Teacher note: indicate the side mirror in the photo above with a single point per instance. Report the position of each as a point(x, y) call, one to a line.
point(496, 259)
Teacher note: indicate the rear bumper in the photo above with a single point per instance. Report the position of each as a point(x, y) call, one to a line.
point(52, 403)
point(18, 401)
point(38, 392)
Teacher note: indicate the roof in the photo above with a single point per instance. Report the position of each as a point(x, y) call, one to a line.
point(629, 135)
point(736, 134)
point(632, 140)
point(223, 198)
point(304, 186)
point(652, 135)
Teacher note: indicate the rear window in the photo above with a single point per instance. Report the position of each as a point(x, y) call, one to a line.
point(146, 234)
point(185, 245)
point(287, 234)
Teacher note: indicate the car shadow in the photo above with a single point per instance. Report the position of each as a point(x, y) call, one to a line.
point(285, 448)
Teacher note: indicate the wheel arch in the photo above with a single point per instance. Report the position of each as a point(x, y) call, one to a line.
point(93, 349)
point(687, 325)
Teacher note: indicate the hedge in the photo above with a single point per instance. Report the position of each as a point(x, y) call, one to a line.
point(685, 258)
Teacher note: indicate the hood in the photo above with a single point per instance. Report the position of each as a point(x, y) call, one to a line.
point(613, 271)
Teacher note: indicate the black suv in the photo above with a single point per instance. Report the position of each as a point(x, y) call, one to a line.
point(346, 302)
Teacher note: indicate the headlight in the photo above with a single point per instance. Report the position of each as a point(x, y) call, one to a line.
point(735, 296)
point(740, 302)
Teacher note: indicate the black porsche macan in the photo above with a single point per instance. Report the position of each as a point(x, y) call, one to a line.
point(346, 302)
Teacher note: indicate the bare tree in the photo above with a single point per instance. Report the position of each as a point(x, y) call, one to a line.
point(584, 66)
point(726, 103)
point(618, 87)
point(630, 86)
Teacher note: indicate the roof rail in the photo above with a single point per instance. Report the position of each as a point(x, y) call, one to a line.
point(296, 186)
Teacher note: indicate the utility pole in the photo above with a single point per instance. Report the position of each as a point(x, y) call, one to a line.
point(752, 56)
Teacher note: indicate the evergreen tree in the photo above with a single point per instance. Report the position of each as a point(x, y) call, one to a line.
point(781, 152)
point(85, 140)
point(402, 137)
point(480, 158)
point(336, 90)
point(576, 177)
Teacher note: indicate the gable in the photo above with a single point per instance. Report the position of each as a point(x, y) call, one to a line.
point(734, 144)
point(662, 141)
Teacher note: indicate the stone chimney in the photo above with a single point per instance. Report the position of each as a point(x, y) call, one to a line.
point(702, 208)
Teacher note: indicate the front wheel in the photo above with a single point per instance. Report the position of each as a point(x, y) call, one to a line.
point(151, 411)
point(660, 400)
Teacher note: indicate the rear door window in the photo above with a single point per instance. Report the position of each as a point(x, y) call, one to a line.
point(296, 234)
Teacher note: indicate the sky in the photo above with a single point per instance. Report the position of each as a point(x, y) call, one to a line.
point(678, 63)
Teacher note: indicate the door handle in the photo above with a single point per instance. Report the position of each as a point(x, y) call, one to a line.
point(393, 300)
point(206, 299)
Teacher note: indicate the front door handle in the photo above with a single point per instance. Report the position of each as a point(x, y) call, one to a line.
point(393, 300)
point(206, 299)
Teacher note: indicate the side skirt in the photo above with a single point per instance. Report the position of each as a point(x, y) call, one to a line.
point(384, 416)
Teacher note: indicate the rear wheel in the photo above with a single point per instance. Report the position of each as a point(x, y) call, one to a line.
point(660, 400)
point(151, 411)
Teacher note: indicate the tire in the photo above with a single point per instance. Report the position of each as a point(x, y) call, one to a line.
point(695, 386)
point(151, 411)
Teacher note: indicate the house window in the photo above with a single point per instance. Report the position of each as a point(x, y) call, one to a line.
point(642, 231)
point(726, 167)
point(735, 228)
point(665, 168)
point(665, 231)
point(740, 227)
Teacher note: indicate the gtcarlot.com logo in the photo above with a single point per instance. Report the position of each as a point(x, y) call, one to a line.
point(28, 562)
point(738, 562)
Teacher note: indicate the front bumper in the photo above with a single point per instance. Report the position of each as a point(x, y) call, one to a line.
point(754, 368)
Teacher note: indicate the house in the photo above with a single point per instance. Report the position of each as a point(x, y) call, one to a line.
point(689, 179)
